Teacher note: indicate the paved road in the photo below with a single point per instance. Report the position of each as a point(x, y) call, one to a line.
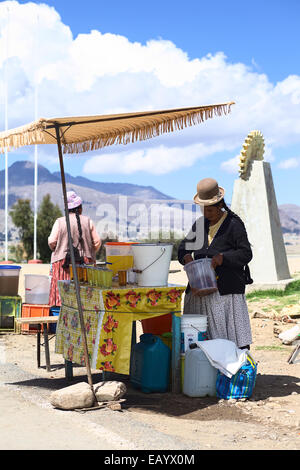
point(26, 425)
point(28, 421)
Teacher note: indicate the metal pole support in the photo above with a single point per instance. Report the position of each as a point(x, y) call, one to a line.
point(77, 288)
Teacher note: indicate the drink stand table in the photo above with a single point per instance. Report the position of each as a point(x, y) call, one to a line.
point(109, 316)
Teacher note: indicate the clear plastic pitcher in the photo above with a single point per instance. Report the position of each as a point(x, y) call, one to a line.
point(200, 274)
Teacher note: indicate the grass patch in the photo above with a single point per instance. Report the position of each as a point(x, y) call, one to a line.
point(291, 289)
point(264, 294)
point(270, 348)
point(278, 308)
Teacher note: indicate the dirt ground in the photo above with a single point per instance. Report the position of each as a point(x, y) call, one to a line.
point(269, 420)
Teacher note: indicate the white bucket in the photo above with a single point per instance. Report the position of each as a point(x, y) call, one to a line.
point(193, 328)
point(153, 261)
point(37, 289)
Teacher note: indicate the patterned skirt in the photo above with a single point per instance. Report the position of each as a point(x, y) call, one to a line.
point(59, 273)
point(227, 316)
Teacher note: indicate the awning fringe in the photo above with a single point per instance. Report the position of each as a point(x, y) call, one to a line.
point(122, 130)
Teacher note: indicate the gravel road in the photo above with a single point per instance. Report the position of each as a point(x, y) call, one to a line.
point(28, 421)
point(270, 420)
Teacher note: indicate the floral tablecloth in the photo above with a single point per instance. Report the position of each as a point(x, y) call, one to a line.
point(108, 316)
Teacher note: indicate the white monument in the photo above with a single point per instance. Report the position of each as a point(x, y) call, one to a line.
point(254, 200)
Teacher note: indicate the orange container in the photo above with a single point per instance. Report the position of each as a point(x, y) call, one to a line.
point(158, 325)
point(29, 311)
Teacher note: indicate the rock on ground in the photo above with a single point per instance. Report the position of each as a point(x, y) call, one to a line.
point(76, 396)
point(109, 391)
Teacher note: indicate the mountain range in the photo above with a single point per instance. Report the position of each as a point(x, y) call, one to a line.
point(21, 173)
point(102, 201)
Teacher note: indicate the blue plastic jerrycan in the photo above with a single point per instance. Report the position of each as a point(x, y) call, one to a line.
point(150, 364)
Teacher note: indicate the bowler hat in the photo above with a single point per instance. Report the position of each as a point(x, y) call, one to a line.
point(208, 192)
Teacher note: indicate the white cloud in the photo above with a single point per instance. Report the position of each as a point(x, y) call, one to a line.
point(156, 160)
point(231, 165)
point(99, 73)
point(289, 163)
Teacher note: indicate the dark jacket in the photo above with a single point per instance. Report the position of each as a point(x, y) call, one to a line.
point(231, 240)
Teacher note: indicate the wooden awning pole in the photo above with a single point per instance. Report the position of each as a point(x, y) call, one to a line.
point(77, 289)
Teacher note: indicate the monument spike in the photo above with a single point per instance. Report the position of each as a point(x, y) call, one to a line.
point(254, 200)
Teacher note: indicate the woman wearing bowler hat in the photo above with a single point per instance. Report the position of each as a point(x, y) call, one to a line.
point(221, 236)
point(84, 237)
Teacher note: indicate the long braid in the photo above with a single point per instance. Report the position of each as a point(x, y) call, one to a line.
point(79, 259)
point(233, 214)
point(76, 212)
point(78, 224)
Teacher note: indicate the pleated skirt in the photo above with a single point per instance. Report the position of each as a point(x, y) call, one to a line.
point(227, 316)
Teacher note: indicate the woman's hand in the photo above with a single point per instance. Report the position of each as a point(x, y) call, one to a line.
point(188, 258)
point(203, 292)
point(217, 260)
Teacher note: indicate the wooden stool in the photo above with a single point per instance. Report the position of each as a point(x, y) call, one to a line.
point(41, 321)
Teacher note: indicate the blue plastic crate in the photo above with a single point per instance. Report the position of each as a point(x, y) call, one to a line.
point(54, 311)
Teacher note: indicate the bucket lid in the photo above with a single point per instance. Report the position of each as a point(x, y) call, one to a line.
point(9, 266)
point(154, 244)
point(119, 243)
point(37, 275)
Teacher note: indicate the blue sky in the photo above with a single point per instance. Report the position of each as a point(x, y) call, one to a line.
point(97, 57)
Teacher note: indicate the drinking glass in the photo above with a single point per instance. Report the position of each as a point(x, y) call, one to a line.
point(122, 275)
point(107, 278)
point(90, 275)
